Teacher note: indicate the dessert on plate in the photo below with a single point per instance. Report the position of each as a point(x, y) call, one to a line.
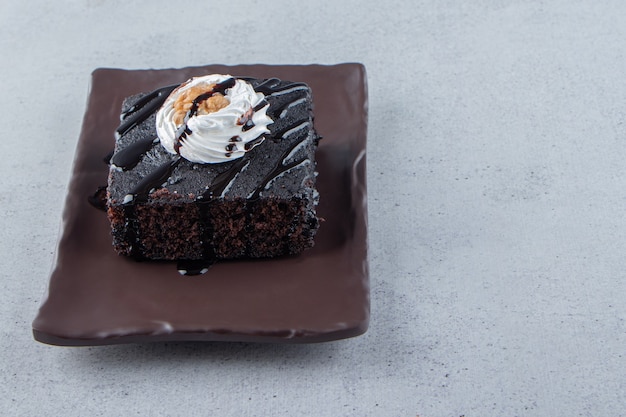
point(96, 297)
point(218, 167)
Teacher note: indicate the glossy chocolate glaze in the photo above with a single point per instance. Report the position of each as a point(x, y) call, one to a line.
point(129, 155)
point(97, 297)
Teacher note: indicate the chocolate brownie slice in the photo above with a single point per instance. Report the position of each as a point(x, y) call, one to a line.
point(262, 204)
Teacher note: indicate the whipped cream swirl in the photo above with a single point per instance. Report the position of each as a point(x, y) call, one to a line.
point(212, 136)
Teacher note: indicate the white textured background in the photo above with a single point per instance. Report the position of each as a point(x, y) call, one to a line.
point(497, 185)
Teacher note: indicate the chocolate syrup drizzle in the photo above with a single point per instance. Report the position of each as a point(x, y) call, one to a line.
point(215, 190)
point(143, 108)
point(279, 109)
point(223, 180)
point(270, 86)
point(153, 180)
point(278, 170)
point(130, 156)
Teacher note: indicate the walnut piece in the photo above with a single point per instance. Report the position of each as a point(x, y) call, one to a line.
point(184, 102)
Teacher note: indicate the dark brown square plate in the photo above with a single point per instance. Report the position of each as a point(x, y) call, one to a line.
point(96, 297)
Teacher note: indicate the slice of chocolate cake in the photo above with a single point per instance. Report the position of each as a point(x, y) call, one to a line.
point(219, 167)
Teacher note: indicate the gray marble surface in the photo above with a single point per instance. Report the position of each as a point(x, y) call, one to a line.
point(497, 185)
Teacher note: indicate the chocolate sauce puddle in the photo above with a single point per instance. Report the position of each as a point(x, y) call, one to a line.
point(192, 267)
point(99, 198)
